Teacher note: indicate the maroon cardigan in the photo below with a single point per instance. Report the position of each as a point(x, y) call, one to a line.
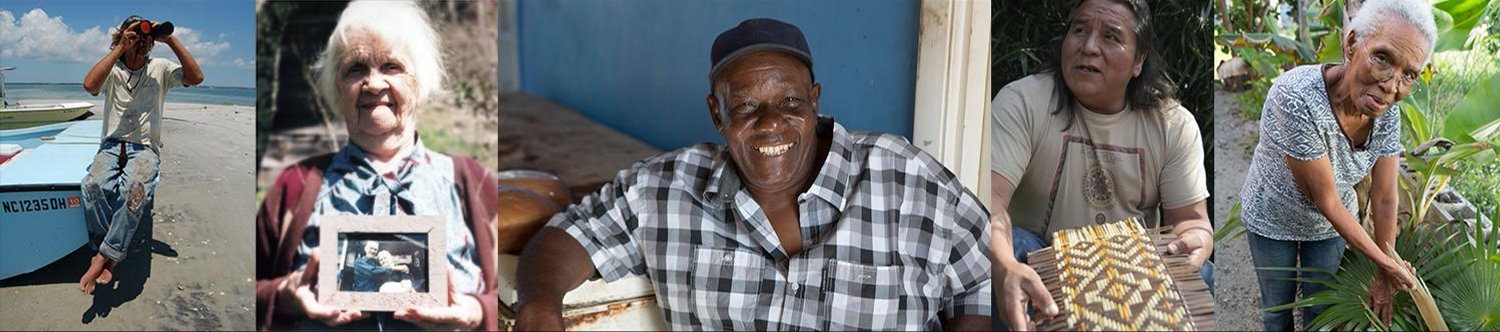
point(283, 216)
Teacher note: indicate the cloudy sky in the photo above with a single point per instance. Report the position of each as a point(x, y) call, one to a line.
point(57, 41)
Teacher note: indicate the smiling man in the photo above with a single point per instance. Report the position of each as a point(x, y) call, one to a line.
point(794, 223)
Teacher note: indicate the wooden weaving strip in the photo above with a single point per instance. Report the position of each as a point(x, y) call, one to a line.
point(1118, 276)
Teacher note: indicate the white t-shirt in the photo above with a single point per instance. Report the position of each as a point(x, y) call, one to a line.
point(1146, 160)
point(133, 100)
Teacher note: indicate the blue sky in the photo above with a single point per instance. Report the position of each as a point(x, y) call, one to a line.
point(57, 41)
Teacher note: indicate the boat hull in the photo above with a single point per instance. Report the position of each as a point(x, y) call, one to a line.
point(39, 225)
point(35, 115)
point(41, 210)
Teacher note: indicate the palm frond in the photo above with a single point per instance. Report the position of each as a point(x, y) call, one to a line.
point(1461, 267)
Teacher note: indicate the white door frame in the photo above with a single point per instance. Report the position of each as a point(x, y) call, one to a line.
point(509, 67)
point(952, 111)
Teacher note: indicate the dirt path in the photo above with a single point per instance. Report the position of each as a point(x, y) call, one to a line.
point(194, 271)
point(1236, 293)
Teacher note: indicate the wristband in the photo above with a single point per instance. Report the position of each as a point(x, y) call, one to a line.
point(1205, 229)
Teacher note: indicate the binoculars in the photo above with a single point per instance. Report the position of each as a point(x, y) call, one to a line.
point(159, 29)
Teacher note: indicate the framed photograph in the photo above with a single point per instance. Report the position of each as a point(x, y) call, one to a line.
point(382, 263)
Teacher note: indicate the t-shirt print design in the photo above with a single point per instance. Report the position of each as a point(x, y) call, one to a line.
point(1118, 170)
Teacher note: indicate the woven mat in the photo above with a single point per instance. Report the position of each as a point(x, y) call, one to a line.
point(1118, 276)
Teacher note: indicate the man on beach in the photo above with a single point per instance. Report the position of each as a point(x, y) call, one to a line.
point(793, 224)
point(122, 179)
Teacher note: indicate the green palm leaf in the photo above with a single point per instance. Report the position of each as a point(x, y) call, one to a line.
point(1461, 267)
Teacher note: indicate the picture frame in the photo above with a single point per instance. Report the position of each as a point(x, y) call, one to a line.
point(407, 266)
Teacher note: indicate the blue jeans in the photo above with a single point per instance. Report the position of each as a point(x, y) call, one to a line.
point(117, 191)
point(1023, 242)
point(1280, 287)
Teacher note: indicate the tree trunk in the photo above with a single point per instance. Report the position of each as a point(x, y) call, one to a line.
point(1223, 7)
point(1300, 10)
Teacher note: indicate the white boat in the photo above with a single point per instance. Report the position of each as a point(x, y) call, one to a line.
point(14, 116)
point(41, 210)
point(22, 116)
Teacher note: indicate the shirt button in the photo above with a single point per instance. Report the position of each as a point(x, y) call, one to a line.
point(794, 287)
point(728, 258)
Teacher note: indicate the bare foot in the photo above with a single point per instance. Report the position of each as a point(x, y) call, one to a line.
point(106, 275)
point(96, 266)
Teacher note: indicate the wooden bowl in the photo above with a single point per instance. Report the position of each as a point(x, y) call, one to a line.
point(528, 199)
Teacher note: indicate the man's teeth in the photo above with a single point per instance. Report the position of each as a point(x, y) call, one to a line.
point(774, 150)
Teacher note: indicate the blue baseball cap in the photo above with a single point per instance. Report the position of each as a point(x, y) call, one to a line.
point(758, 34)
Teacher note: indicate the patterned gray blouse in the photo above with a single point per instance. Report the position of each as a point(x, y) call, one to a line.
point(1297, 121)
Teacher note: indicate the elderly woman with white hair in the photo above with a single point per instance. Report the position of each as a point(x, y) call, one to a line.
point(382, 65)
point(1324, 127)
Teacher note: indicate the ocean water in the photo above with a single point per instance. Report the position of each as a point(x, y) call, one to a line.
point(74, 92)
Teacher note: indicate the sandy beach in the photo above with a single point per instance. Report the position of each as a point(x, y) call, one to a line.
point(194, 271)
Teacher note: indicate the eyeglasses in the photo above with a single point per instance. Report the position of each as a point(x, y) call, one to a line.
point(1384, 71)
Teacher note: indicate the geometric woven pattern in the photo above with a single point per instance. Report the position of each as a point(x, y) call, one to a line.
point(1117, 276)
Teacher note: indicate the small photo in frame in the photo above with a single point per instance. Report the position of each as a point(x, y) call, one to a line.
point(382, 263)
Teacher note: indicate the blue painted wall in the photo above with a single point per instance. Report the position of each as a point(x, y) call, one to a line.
point(642, 66)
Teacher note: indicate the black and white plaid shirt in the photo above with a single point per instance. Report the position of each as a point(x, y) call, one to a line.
point(892, 240)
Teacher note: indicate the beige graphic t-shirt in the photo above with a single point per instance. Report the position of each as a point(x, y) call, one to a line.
point(133, 100)
point(1106, 167)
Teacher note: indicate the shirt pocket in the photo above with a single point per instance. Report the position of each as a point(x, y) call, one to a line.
point(865, 297)
point(725, 288)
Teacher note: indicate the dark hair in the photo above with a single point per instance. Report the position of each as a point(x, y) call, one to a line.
point(1149, 90)
point(115, 38)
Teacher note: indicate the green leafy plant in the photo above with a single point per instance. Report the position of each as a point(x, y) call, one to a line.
point(1266, 65)
point(1474, 128)
point(1457, 20)
point(1232, 228)
point(1312, 37)
point(1463, 277)
point(1479, 181)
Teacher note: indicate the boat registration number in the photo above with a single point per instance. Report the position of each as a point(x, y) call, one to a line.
point(41, 204)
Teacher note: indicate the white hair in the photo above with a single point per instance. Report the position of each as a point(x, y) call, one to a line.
point(1374, 13)
point(401, 25)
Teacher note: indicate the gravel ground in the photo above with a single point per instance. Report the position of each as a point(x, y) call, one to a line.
point(1236, 294)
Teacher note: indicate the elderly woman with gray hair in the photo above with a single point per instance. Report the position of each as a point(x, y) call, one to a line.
point(1324, 127)
point(382, 65)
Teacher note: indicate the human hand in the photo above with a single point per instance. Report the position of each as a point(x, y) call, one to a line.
point(1399, 274)
point(539, 315)
point(401, 268)
point(130, 39)
point(160, 36)
point(1379, 297)
point(1019, 286)
point(1198, 243)
point(165, 39)
point(297, 292)
point(462, 313)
